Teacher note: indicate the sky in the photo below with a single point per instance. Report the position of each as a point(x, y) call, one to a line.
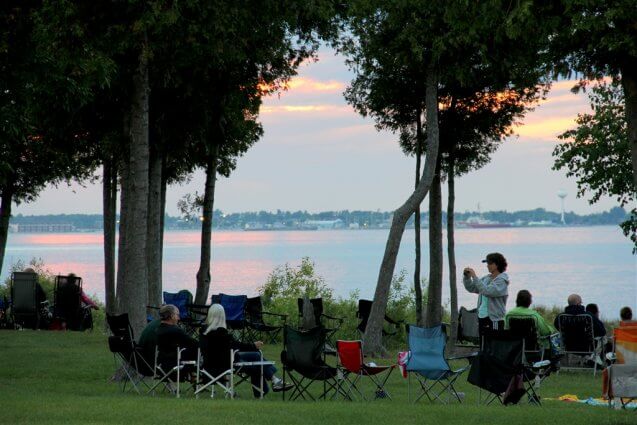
point(318, 154)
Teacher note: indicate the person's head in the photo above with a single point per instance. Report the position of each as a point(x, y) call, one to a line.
point(28, 270)
point(216, 318)
point(592, 309)
point(626, 314)
point(524, 299)
point(168, 313)
point(574, 299)
point(496, 261)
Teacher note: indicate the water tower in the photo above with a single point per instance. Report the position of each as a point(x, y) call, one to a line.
point(562, 194)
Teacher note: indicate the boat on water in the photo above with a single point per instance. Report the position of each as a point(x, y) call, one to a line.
point(476, 222)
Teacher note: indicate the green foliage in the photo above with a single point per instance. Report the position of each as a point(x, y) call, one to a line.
point(46, 278)
point(597, 152)
point(288, 283)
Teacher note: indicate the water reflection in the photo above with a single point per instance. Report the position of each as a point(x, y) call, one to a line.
point(550, 262)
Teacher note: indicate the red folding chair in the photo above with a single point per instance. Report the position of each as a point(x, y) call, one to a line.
point(350, 358)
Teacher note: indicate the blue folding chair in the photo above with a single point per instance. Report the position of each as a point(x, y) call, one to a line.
point(235, 308)
point(183, 301)
point(428, 363)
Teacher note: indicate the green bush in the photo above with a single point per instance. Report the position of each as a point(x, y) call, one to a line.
point(288, 283)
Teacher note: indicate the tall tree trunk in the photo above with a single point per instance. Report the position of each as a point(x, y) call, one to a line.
point(133, 294)
point(433, 316)
point(373, 332)
point(5, 217)
point(629, 84)
point(109, 198)
point(122, 247)
point(451, 249)
point(417, 286)
point(154, 229)
point(203, 274)
point(164, 183)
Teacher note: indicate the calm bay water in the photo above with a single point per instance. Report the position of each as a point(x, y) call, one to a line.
point(595, 262)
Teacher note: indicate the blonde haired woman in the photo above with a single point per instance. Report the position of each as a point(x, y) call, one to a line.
point(217, 343)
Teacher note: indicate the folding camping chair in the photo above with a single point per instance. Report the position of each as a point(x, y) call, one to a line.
point(68, 304)
point(303, 359)
point(501, 369)
point(578, 340)
point(208, 377)
point(24, 305)
point(428, 363)
point(127, 353)
point(365, 309)
point(235, 308)
point(182, 300)
point(350, 359)
point(171, 369)
point(621, 379)
point(525, 327)
point(468, 333)
point(256, 323)
point(329, 324)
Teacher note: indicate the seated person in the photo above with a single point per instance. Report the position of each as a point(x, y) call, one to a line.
point(626, 317)
point(148, 341)
point(216, 345)
point(87, 302)
point(522, 303)
point(170, 337)
point(574, 307)
point(40, 295)
point(599, 329)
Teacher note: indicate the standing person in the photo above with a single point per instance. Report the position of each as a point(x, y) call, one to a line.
point(493, 291)
point(216, 345)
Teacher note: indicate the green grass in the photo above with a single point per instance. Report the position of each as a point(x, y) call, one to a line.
point(63, 377)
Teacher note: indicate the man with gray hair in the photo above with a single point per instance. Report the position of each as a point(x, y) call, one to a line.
point(170, 337)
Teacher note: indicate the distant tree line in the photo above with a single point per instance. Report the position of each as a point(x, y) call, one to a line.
point(371, 219)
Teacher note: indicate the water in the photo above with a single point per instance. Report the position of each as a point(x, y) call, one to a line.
point(552, 263)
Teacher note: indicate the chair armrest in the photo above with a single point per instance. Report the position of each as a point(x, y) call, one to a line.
point(339, 319)
point(464, 356)
point(152, 307)
point(283, 316)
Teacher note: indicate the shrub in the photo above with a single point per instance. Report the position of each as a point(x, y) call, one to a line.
point(288, 283)
point(46, 278)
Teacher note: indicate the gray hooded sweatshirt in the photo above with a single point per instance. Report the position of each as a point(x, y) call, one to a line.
point(496, 289)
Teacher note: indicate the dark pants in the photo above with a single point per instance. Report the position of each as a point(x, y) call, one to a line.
point(486, 325)
point(255, 371)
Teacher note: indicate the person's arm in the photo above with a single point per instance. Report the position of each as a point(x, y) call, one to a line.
point(498, 288)
point(543, 328)
point(469, 283)
point(241, 346)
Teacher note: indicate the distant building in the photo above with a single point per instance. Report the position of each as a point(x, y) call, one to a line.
point(45, 228)
point(326, 224)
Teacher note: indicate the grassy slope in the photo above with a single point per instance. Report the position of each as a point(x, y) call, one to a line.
point(57, 377)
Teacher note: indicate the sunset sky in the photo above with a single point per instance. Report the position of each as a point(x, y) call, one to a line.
point(317, 154)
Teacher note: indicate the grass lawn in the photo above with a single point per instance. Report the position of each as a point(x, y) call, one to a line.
point(63, 377)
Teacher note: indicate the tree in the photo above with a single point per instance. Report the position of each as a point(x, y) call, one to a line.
point(39, 98)
point(469, 45)
point(597, 38)
point(597, 152)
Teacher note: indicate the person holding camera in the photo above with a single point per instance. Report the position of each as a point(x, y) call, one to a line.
point(493, 291)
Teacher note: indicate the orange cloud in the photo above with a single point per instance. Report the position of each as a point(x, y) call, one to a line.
point(546, 129)
point(309, 85)
point(325, 108)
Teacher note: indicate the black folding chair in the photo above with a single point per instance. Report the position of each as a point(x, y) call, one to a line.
point(26, 311)
point(68, 304)
point(256, 323)
point(365, 309)
point(303, 359)
point(501, 369)
point(578, 340)
point(329, 324)
point(128, 355)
